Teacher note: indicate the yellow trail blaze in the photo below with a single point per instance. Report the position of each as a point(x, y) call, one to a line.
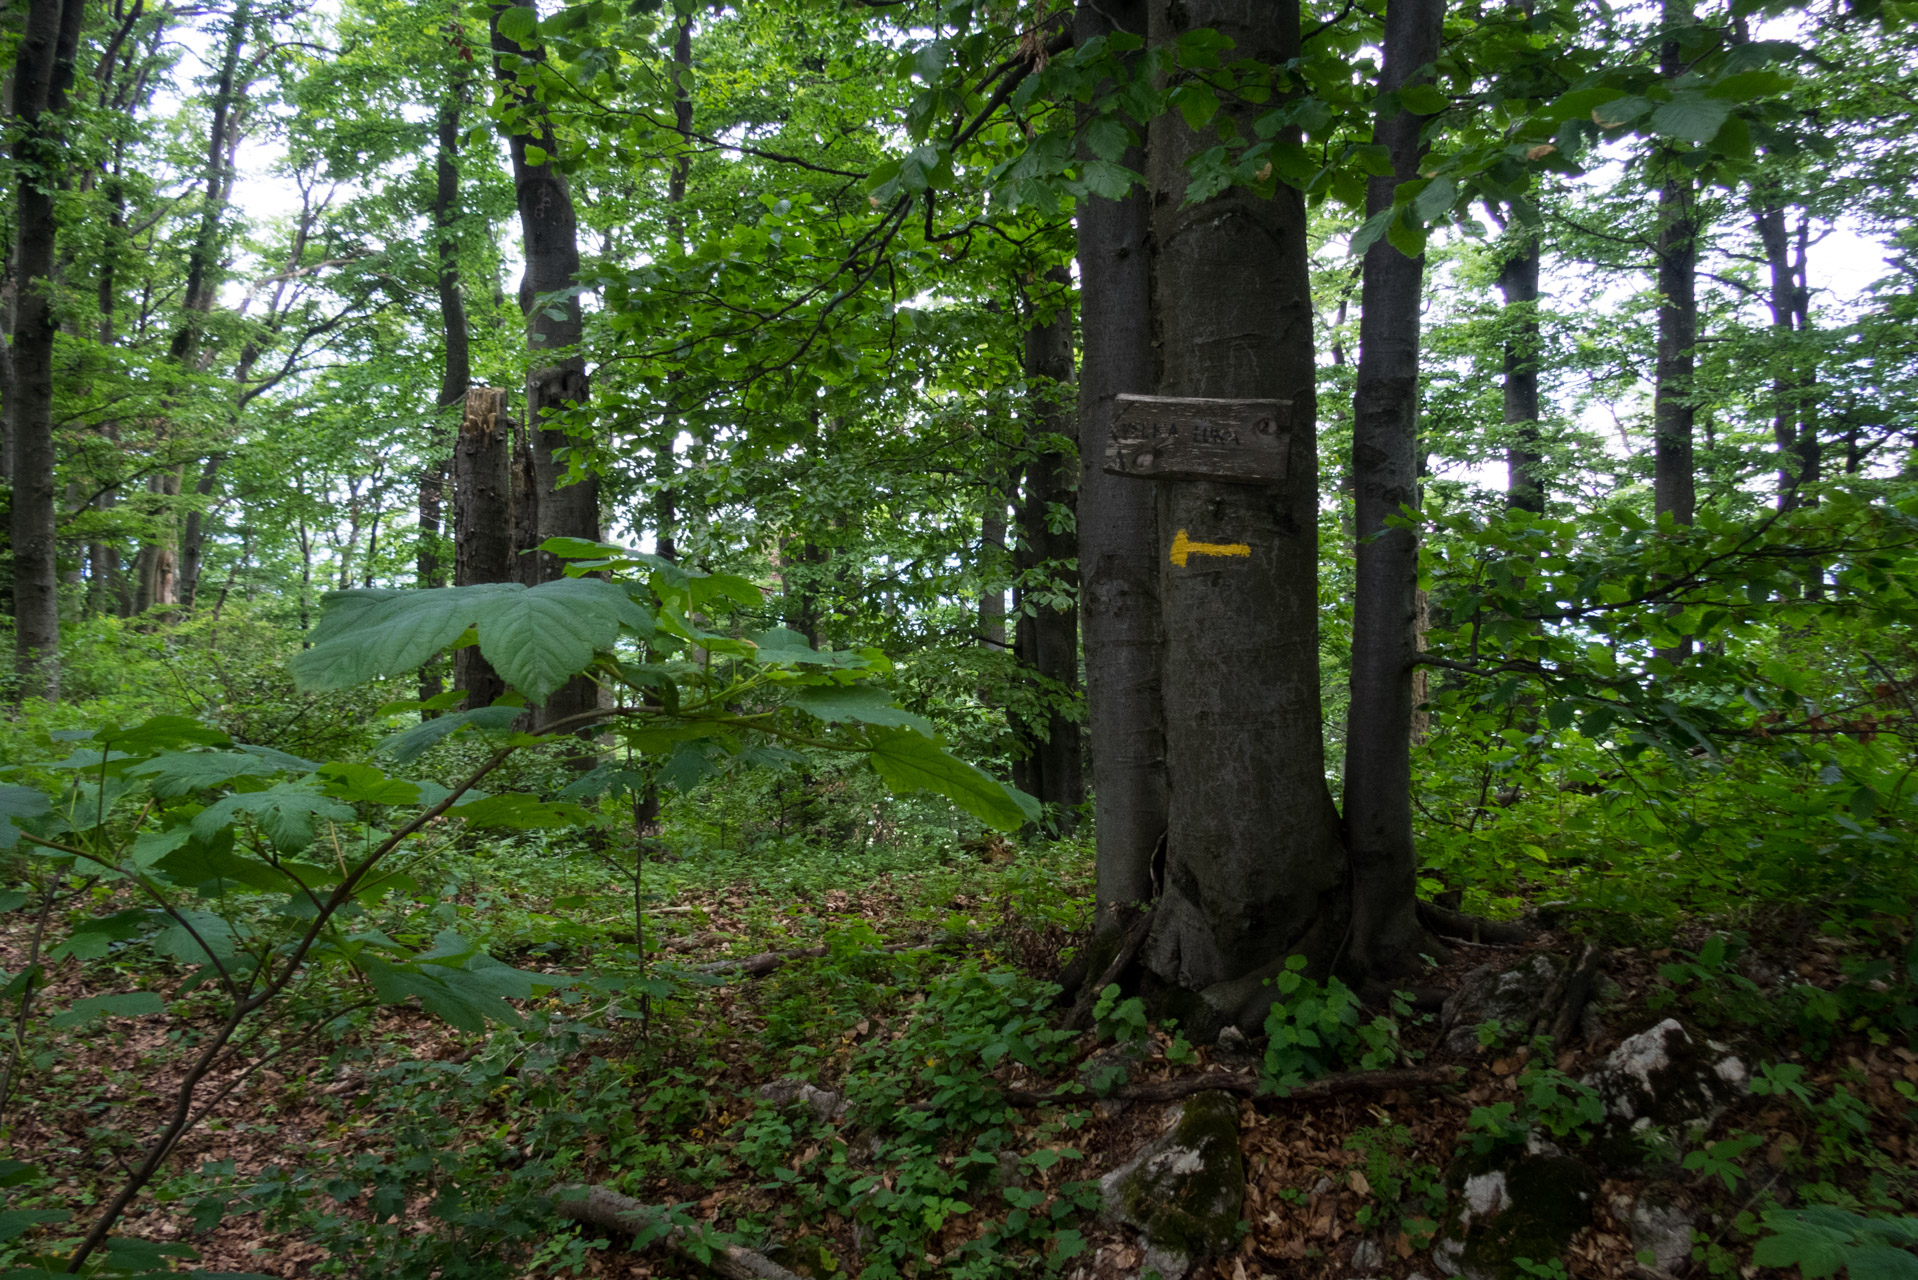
point(1183, 548)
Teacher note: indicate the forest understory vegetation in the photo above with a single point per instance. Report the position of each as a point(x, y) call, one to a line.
point(1176, 639)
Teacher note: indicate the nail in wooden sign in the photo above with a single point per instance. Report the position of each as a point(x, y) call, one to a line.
point(1187, 438)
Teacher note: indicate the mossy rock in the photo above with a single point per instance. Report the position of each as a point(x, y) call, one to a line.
point(1529, 1207)
point(1185, 1191)
point(1661, 1088)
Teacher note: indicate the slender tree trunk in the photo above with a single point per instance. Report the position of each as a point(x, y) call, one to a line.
point(1674, 409)
point(1518, 283)
point(42, 74)
point(1049, 634)
point(1793, 428)
point(1255, 867)
point(1387, 939)
point(551, 236)
point(482, 522)
point(1118, 527)
point(991, 562)
point(456, 377)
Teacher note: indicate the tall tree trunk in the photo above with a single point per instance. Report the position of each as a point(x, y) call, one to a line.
point(1118, 526)
point(1255, 867)
point(176, 577)
point(482, 522)
point(1674, 409)
point(1518, 283)
point(991, 562)
point(550, 232)
point(1792, 426)
point(1386, 937)
point(1049, 634)
point(456, 377)
point(42, 74)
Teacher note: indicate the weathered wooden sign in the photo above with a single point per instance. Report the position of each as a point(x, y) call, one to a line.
point(1187, 438)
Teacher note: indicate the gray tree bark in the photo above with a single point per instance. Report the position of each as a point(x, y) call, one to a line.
point(1255, 866)
point(42, 75)
point(482, 522)
point(456, 376)
point(1118, 527)
point(550, 231)
point(1518, 284)
point(1386, 937)
point(1047, 636)
point(1673, 412)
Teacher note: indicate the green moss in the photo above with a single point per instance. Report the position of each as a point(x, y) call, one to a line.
point(1186, 1192)
point(1546, 1201)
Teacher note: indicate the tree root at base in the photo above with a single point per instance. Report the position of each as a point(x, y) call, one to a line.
point(611, 1211)
point(1447, 923)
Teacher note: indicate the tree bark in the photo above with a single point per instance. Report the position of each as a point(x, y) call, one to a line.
point(1518, 283)
point(1254, 862)
point(1118, 527)
point(1386, 940)
point(456, 377)
point(550, 232)
point(1673, 408)
point(1048, 635)
point(482, 522)
point(1793, 428)
point(42, 75)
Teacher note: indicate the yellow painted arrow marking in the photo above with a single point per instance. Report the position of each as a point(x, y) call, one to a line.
point(1184, 548)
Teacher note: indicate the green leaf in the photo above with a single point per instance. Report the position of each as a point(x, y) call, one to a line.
point(132, 1005)
point(410, 744)
point(1372, 231)
point(864, 703)
point(1620, 112)
point(520, 812)
point(536, 156)
point(1691, 116)
point(1107, 180)
point(538, 639)
point(1407, 236)
point(1196, 102)
point(371, 633)
point(161, 732)
point(12, 899)
point(212, 869)
point(182, 773)
point(1882, 1262)
point(520, 24)
point(91, 939)
point(363, 784)
point(907, 761)
point(15, 1223)
point(198, 937)
point(1423, 100)
point(1437, 197)
point(15, 1172)
point(1108, 138)
point(19, 802)
point(287, 813)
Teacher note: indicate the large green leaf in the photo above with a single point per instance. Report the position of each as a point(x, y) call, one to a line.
point(539, 639)
point(132, 1005)
point(410, 744)
point(19, 802)
point(908, 761)
point(371, 633)
point(286, 812)
point(1691, 116)
point(180, 773)
point(865, 703)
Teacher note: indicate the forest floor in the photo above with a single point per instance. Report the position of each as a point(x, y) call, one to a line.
point(404, 1147)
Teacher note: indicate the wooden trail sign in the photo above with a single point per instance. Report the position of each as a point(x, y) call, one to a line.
point(1188, 438)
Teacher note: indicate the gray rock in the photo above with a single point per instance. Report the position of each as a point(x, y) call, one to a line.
point(1514, 1205)
point(1185, 1190)
point(1510, 997)
point(1367, 1256)
point(1661, 1081)
point(1662, 1229)
point(825, 1104)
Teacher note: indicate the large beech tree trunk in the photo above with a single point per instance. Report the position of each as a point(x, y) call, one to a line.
point(1255, 867)
point(42, 75)
point(1386, 938)
point(482, 522)
point(1047, 636)
point(553, 326)
point(1118, 527)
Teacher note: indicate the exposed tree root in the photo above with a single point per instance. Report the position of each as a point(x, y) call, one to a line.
point(614, 1212)
point(1081, 1016)
point(1578, 991)
point(1447, 923)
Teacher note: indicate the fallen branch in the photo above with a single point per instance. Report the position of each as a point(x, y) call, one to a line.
point(614, 1212)
point(1246, 1085)
point(1447, 923)
point(765, 962)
